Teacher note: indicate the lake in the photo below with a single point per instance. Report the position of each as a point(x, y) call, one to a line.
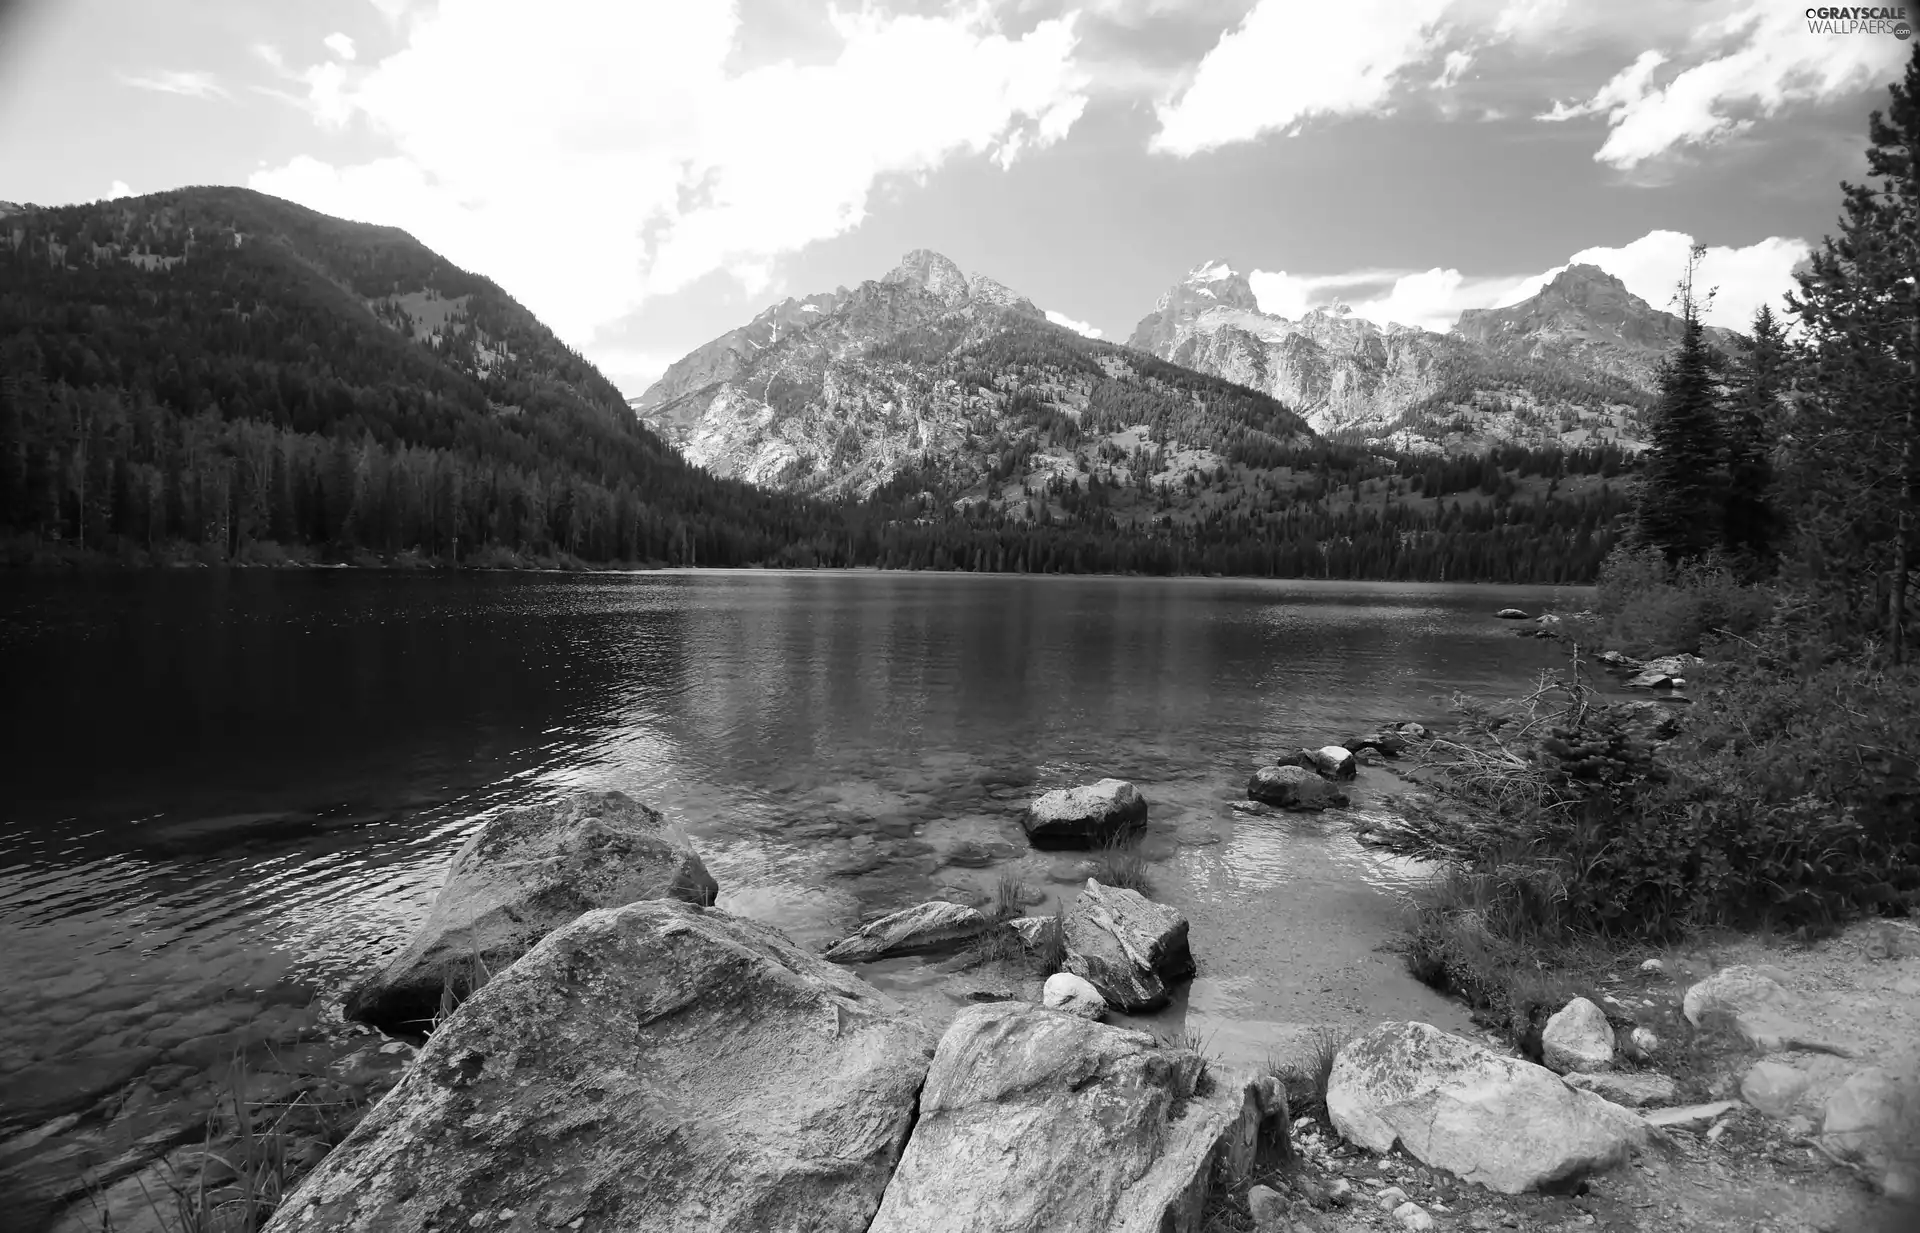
point(229, 791)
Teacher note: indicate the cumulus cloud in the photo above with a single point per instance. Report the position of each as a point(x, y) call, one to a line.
point(1745, 278)
point(618, 130)
point(1287, 63)
point(191, 84)
point(1749, 66)
point(340, 45)
point(1078, 327)
point(119, 190)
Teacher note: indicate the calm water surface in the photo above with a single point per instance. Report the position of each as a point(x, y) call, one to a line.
point(241, 788)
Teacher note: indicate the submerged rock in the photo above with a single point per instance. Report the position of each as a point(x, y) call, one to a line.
point(656, 1066)
point(1032, 1122)
point(1511, 614)
point(1127, 946)
point(1086, 816)
point(520, 876)
point(1387, 744)
point(1293, 787)
point(921, 929)
point(1500, 1121)
point(1067, 992)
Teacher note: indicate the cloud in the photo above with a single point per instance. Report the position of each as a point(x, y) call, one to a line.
point(617, 131)
point(1429, 299)
point(192, 84)
point(1078, 327)
point(392, 10)
point(1746, 67)
point(1287, 63)
point(1746, 277)
point(119, 190)
point(1651, 267)
point(340, 45)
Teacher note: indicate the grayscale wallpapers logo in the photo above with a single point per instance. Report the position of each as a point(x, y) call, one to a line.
point(1859, 20)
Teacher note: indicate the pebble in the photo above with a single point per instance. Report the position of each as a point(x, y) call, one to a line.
point(1266, 1206)
point(1390, 1198)
point(1413, 1216)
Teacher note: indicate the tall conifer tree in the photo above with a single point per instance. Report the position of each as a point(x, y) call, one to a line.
point(1681, 499)
point(1855, 433)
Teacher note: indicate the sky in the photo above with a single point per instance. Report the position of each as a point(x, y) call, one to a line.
point(648, 174)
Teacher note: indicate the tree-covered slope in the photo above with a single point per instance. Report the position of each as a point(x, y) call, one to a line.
point(219, 367)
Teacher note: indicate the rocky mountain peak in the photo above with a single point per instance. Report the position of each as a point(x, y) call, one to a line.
point(933, 274)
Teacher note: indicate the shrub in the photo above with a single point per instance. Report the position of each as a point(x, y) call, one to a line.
point(1788, 799)
point(1649, 607)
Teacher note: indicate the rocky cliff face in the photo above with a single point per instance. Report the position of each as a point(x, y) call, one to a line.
point(926, 368)
point(1585, 316)
point(1572, 366)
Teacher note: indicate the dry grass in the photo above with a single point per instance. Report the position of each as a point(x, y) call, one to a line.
point(1010, 895)
point(1051, 956)
point(1306, 1081)
point(1119, 863)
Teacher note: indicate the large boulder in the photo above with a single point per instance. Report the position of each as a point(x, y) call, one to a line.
point(1577, 1038)
point(522, 875)
point(1874, 1117)
point(924, 928)
point(656, 1066)
point(1033, 1122)
point(1500, 1121)
point(1758, 1008)
point(1293, 787)
point(1086, 816)
point(1127, 946)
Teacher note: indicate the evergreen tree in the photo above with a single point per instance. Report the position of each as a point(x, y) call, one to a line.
point(1681, 498)
point(1853, 436)
point(1751, 517)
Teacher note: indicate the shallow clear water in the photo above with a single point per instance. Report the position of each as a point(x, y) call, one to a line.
point(228, 791)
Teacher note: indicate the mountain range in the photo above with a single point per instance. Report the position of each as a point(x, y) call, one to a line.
point(837, 393)
point(220, 375)
point(1572, 365)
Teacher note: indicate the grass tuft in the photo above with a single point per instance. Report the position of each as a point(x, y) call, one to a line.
point(1119, 863)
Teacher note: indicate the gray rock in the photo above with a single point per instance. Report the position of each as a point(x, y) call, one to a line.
point(1032, 1122)
point(1631, 1089)
point(1774, 1087)
point(657, 1066)
point(1293, 787)
point(1687, 1115)
point(1127, 946)
point(1388, 744)
point(1066, 992)
point(1511, 614)
point(1500, 1121)
point(1037, 933)
point(922, 929)
point(1577, 1037)
point(1268, 1209)
point(1335, 762)
point(1755, 1005)
point(1086, 816)
point(520, 876)
point(1411, 1215)
point(1874, 1117)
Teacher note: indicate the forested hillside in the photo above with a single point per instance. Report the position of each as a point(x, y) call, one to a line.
point(223, 369)
point(216, 375)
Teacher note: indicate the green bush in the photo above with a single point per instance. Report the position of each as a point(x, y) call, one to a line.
point(1649, 607)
